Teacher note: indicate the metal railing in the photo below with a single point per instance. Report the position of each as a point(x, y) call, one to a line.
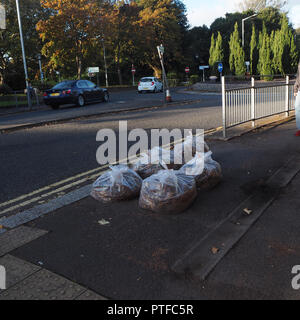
point(18, 99)
point(253, 103)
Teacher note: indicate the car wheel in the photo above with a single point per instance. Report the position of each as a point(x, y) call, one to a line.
point(155, 90)
point(80, 101)
point(55, 106)
point(105, 97)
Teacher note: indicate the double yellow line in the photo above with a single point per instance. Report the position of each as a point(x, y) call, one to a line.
point(64, 185)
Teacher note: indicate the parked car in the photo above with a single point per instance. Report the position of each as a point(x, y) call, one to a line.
point(78, 92)
point(150, 84)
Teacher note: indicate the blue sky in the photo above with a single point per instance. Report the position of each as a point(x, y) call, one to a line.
point(206, 11)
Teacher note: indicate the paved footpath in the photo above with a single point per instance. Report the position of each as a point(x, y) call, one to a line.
point(238, 241)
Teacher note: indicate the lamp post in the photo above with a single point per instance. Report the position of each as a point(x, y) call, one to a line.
point(161, 51)
point(243, 28)
point(39, 56)
point(23, 54)
point(105, 64)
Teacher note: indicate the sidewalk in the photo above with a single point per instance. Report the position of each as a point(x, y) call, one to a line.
point(15, 110)
point(139, 255)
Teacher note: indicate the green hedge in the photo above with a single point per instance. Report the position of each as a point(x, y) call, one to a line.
point(5, 89)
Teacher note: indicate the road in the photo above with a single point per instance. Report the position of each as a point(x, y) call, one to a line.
point(125, 100)
point(36, 157)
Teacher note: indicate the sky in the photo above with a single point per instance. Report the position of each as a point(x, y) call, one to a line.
point(206, 11)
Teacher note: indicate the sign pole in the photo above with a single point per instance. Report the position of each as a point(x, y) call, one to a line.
point(133, 73)
point(168, 97)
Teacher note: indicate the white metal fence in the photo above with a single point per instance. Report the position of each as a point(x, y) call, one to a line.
point(253, 103)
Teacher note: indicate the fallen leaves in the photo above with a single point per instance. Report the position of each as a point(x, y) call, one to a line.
point(103, 222)
point(247, 211)
point(215, 250)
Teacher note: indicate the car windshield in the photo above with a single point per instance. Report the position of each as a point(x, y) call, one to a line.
point(146, 80)
point(64, 85)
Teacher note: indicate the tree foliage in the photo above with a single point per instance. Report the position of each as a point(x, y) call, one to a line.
point(253, 51)
point(72, 36)
point(11, 64)
point(237, 54)
point(258, 5)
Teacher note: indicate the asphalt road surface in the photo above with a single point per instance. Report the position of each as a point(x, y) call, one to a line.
point(36, 157)
point(124, 100)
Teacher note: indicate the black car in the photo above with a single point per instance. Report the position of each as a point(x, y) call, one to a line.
point(77, 92)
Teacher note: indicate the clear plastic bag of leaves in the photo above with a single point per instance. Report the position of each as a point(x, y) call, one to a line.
point(120, 183)
point(206, 171)
point(185, 151)
point(151, 162)
point(168, 192)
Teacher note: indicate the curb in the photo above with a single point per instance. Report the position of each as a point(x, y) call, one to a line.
point(266, 126)
point(82, 117)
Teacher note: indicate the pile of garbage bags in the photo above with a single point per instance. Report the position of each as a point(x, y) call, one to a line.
point(161, 184)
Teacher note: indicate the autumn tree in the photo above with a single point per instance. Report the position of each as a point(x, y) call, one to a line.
point(122, 34)
point(161, 22)
point(69, 33)
point(11, 63)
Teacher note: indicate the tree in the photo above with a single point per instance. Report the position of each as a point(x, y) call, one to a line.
point(161, 22)
point(237, 54)
point(218, 53)
point(285, 55)
point(253, 51)
point(258, 5)
point(11, 63)
point(119, 27)
point(69, 33)
point(212, 50)
point(196, 45)
point(265, 62)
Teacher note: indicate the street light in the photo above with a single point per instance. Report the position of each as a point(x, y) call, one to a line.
point(105, 64)
point(23, 54)
point(243, 27)
point(39, 56)
point(161, 51)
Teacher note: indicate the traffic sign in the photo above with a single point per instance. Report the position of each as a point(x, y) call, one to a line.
point(133, 70)
point(2, 17)
point(94, 70)
point(203, 67)
point(187, 69)
point(220, 67)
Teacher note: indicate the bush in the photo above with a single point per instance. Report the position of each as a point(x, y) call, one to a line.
point(172, 75)
point(5, 89)
point(43, 86)
point(194, 79)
